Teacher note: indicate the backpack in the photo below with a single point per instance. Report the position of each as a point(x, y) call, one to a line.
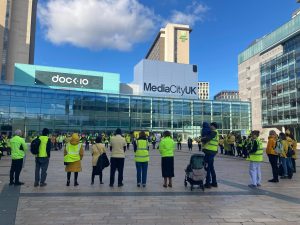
point(290, 152)
point(35, 146)
point(278, 147)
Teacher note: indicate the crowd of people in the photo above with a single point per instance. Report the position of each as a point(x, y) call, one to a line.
point(281, 150)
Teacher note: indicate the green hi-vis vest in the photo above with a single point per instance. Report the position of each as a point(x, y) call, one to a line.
point(258, 155)
point(213, 144)
point(72, 153)
point(142, 153)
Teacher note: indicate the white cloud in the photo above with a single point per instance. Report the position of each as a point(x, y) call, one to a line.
point(107, 24)
point(192, 14)
point(97, 24)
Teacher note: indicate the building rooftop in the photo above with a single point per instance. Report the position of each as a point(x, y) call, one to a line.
point(276, 37)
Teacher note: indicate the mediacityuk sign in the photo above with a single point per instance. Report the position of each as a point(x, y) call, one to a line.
point(68, 80)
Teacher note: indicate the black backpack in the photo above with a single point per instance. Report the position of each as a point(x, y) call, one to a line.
point(35, 146)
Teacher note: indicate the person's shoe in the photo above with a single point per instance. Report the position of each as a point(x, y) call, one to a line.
point(68, 183)
point(273, 181)
point(283, 177)
point(258, 185)
point(138, 185)
point(36, 184)
point(252, 186)
point(19, 184)
point(120, 185)
point(76, 183)
point(207, 185)
point(214, 185)
point(92, 182)
point(144, 185)
point(165, 186)
point(11, 183)
point(43, 184)
point(170, 185)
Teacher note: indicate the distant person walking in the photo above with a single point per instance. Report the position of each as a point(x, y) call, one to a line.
point(73, 156)
point(221, 144)
point(141, 159)
point(18, 151)
point(153, 140)
point(97, 150)
point(210, 149)
point(42, 159)
point(256, 158)
point(272, 154)
point(179, 140)
point(190, 144)
point(118, 148)
point(166, 149)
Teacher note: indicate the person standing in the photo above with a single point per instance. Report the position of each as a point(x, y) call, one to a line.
point(255, 158)
point(210, 149)
point(153, 140)
point(73, 156)
point(118, 148)
point(97, 150)
point(190, 143)
point(141, 159)
point(179, 139)
point(221, 144)
point(293, 145)
point(42, 159)
point(128, 140)
point(18, 151)
point(166, 149)
point(272, 155)
point(285, 159)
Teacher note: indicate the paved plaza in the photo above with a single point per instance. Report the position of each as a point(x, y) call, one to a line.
point(231, 203)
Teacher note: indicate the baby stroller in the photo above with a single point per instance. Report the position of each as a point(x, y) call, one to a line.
point(195, 172)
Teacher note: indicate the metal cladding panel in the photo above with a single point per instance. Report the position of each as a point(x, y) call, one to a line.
point(63, 78)
point(166, 79)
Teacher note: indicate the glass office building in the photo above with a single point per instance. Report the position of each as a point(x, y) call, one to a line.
point(280, 88)
point(33, 108)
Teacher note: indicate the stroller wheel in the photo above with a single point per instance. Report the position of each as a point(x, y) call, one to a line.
point(185, 183)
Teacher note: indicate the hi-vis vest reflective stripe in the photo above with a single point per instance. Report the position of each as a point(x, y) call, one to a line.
point(213, 144)
point(142, 153)
point(72, 153)
point(258, 155)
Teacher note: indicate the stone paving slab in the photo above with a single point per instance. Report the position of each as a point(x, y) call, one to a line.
point(231, 203)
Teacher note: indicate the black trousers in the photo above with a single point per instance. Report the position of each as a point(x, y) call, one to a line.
point(273, 159)
point(294, 164)
point(15, 170)
point(116, 164)
point(178, 146)
point(222, 149)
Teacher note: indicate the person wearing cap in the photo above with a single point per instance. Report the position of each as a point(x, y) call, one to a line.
point(73, 155)
point(118, 148)
point(42, 159)
point(210, 149)
point(18, 151)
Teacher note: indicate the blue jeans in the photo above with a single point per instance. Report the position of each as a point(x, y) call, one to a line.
point(211, 174)
point(286, 164)
point(141, 172)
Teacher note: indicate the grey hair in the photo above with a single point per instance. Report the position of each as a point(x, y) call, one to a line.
point(272, 132)
point(18, 132)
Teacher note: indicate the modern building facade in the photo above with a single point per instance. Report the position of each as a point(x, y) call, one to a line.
point(33, 108)
point(227, 96)
point(268, 77)
point(172, 44)
point(17, 35)
point(203, 90)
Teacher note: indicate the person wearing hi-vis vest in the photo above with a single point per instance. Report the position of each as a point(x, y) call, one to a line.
point(18, 151)
point(256, 158)
point(210, 149)
point(73, 156)
point(141, 158)
point(166, 149)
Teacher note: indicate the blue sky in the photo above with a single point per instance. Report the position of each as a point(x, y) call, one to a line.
point(221, 30)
